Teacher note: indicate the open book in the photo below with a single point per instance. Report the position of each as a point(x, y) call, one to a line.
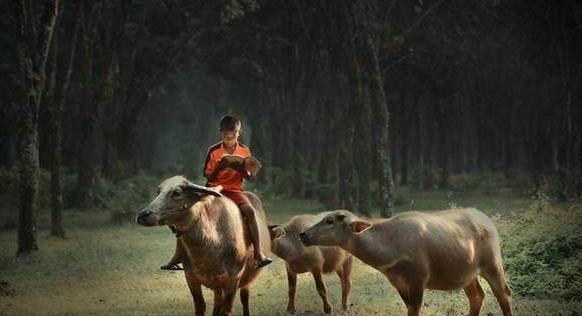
point(250, 165)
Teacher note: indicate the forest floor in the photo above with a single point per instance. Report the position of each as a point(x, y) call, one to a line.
point(106, 269)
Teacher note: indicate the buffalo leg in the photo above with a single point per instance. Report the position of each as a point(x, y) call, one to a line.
point(218, 303)
point(412, 297)
point(496, 279)
point(475, 295)
point(244, 299)
point(292, 280)
point(196, 291)
point(322, 290)
point(345, 275)
point(228, 299)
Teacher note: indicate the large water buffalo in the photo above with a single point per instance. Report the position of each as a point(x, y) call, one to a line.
point(217, 253)
point(444, 250)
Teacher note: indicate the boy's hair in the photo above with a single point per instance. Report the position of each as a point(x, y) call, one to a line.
point(229, 123)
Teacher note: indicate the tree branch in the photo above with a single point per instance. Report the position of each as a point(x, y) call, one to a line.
point(422, 17)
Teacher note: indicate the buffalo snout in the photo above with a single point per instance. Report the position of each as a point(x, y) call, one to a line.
point(304, 239)
point(147, 218)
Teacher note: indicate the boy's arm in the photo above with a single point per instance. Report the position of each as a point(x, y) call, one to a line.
point(215, 165)
point(209, 167)
point(220, 165)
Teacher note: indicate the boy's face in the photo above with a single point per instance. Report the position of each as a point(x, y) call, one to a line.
point(230, 138)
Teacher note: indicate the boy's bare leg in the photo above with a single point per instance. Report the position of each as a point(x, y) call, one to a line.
point(176, 259)
point(248, 213)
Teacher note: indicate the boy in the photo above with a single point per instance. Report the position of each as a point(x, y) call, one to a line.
point(231, 181)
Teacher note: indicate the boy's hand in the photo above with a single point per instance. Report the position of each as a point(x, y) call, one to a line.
point(251, 167)
point(248, 166)
point(222, 164)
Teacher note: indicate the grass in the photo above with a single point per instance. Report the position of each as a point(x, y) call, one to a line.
point(102, 269)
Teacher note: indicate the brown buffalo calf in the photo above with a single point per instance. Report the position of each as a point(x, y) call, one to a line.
point(444, 250)
point(317, 260)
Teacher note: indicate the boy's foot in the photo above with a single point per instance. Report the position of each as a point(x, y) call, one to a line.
point(265, 261)
point(172, 267)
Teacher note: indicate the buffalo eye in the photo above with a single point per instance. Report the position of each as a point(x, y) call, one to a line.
point(176, 193)
point(328, 221)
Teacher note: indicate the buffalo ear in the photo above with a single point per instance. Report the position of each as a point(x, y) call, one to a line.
point(359, 227)
point(202, 190)
point(276, 231)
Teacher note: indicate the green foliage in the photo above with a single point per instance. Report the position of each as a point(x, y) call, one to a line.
point(314, 188)
point(279, 184)
point(542, 249)
point(425, 177)
point(493, 182)
point(69, 178)
point(541, 196)
point(464, 182)
point(235, 9)
point(282, 181)
point(399, 199)
point(9, 197)
point(521, 183)
point(128, 196)
point(122, 170)
point(564, 184)
point(6, 289)
point(122, 199)
point(9, 180)
point(489, 183)
point(559, 187)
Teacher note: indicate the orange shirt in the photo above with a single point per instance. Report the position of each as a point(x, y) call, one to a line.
point(228, 178)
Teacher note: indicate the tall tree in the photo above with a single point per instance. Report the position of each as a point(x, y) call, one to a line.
point(364, 151)
point(34, 42)
point(366, 25)
point(56, 105)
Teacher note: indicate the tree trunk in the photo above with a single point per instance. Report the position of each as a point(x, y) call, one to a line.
point(97, 92)
point(346, 164)
point(325, 158)
point(257, 143)
point(509, 140)
point(57, 228)
point(344, 143)
point(57, 108)
point(383, 119)
point(54, 141)
point(421, 142)
point(442, 145)
point(87, 163)
point(407, 130)
point(29, 169)
point(362, 101)
point(33, 52)
point(555, 156)
point(298, 161)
